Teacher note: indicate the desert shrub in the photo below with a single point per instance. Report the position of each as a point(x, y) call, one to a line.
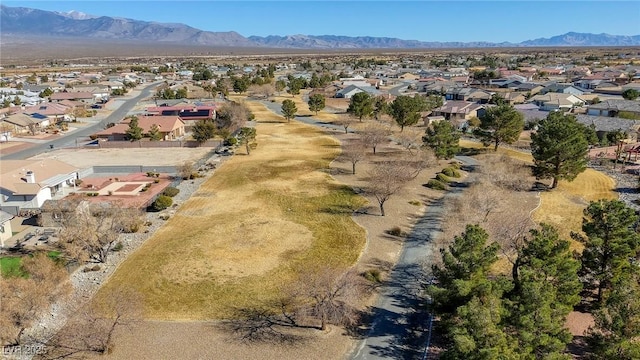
point(436, 185)
point(164, 217)
point(373, 275)
point(162, 202)
point(230, 141)
point(78, 182)
point(91, 268)
point(506, 172)
point(455, 165)
point(395, 231)
point(93, 137)
point(156, 181)
point(451, 172)
point(118, 247)
point(415, 202)
point(171, 191)
point(443, 178)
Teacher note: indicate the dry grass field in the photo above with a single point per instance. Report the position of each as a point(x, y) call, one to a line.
point(248, 229)
point(563, 206)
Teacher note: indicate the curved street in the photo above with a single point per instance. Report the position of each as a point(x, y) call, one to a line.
point(69, 140)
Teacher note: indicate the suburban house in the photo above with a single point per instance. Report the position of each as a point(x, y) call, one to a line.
point(22, 123)
point(531, 112)
point(468, 94)
point(612, 108)
point(5, 227)
point(53, 111)
point(514, 97)
point(27, 184)
point(459, 110)
point(561, 89)
point(190, 113)
point(604, 124)
point(170, 127)
point(85, 97)
point(351, 90)
point(556, 101)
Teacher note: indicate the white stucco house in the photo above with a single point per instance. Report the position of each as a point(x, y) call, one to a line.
point(27, 184)
point(5, 227)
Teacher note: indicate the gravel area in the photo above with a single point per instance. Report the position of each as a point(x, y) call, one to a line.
point(86, 284)
point(626, 184)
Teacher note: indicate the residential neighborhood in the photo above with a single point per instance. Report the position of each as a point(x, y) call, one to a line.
point(212, 188)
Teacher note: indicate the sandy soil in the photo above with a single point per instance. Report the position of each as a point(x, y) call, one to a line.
point(83, 158)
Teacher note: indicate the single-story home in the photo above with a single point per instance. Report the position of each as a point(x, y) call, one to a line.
point(562, 89)
point(459, 110)
point(349, 91)
point(468, 94)
point(170, 127)
point(187, 113)
point(27, 184)
point(614, 107)
point(605, 124)
point(555, 101)
point(22, 123)
point(85, 97)
point(5, 227)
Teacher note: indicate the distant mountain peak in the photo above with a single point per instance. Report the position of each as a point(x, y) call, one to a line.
point(33, 22)
point(76, 15)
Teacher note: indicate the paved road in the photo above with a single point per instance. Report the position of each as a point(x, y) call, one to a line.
point(397, 330)
point(397, 90)
point(277, 108)
point(69, 140)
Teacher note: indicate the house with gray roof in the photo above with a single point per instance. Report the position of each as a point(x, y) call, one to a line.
point(613, 107)
point(605, 124)
point(351, 90)
point(562, 89)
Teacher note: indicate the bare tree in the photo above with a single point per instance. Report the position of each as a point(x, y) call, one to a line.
point(410, 139)
point(388, 177)
point(374, 134)
point(345, 121)
point(353, 152)
point(264, 90)
point(23, 300)
point(232, 116)
point(185, 170)
point(91, 329)
point(92, 232)
point(327, 295)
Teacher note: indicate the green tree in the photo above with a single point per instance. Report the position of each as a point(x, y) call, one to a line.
point(406, 110)
point(44, 79)
point(314, 83)
point(380, 107)
point(464, 269)
point(361, 105)
point(630, 94)
point(611, 240)
point(443, 138)
point(316, 102)
point(134, 132)
point(280, 85)
point(247, 136)
point(546, 288)
point(241, 84)
point(617, 323)
point(17, 101)
point(434, 101)
point(500, 124)
point(154, 133)
point(182, 93)
point(289, 109)
point(6, 103)
point(559, 148)
point(204, 130)
point(46, 93)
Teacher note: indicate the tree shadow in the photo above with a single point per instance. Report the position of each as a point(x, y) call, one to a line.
point(257, 325)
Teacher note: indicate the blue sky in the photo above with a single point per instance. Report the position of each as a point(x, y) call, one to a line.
point(451, 20)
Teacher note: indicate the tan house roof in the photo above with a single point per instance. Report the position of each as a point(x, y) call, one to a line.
point(13, 172)
point(26, 189)
point(165, 123)
point(71, 95)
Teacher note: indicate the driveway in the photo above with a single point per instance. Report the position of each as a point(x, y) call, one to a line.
point(397, 330)
point(70, 140)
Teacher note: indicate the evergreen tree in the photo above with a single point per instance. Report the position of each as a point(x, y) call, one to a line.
point(559, 148)
point(500, 124)
point(611, 241)
point(247, 136)
point(546, 288)
point(154, 133)
point(361, 105)
point(203, 130)
point(134, 132)
point(289, 109)
point(617, 323)
point(443, 138)
point(316, 102)
point(406, 110)
point(380, 107)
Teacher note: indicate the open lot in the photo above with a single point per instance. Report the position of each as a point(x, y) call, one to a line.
point(248, 230)
point(83, 158)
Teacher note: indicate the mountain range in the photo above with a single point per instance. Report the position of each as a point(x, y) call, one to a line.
point(19, 21)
